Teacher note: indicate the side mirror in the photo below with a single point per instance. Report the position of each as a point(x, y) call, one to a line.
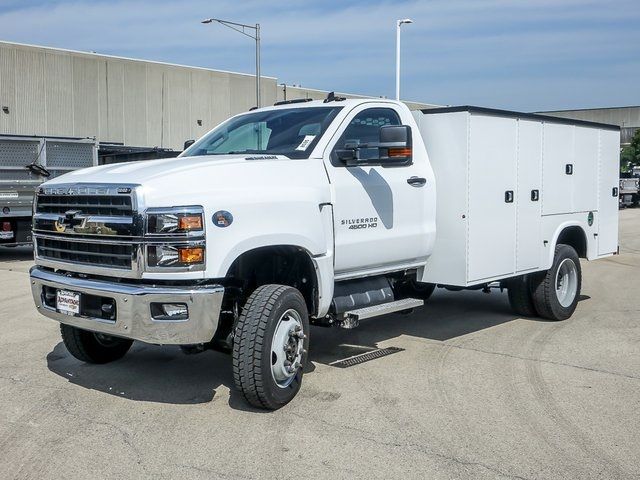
point(188, 143)
point(395, 145)
point(398, 136)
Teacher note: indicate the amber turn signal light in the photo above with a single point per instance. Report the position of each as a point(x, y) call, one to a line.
point(191, 255)
point(399, 152)
point(190, 222)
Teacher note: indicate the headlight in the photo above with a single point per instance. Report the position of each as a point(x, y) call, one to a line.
point(175, 239)
point(175, 256)
point(175, 220)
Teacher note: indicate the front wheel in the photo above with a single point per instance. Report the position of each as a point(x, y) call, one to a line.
point(91, 347)
point(270, 346)
point(556, 291)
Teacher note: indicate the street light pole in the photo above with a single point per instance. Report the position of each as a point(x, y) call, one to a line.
point(399, 24)
point(241, 27)
point(258, 66)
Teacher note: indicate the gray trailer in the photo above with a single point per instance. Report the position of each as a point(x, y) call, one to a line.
point(26, 162)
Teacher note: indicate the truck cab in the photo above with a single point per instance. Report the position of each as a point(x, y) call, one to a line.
point(307, 212)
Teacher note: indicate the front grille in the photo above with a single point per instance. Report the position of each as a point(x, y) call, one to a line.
point(93, 227)
point(95, 253)
point(104, 205)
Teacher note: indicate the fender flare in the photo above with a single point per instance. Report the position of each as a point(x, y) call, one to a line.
point(322, 264)
point(558, 231)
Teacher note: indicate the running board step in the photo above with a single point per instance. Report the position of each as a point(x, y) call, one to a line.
point(353, 317)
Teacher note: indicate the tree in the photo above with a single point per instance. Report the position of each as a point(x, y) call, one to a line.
point(630, 155)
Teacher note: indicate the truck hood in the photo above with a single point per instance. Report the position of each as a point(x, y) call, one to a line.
point(194, 180)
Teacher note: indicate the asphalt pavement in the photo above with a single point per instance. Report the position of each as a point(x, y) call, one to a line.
point(475, 393)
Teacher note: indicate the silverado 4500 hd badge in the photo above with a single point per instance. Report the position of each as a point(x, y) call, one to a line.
point(359, 223)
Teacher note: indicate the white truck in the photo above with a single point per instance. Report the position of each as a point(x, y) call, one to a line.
point(321, 213)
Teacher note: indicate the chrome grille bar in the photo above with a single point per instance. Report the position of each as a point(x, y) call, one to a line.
point(89, 228)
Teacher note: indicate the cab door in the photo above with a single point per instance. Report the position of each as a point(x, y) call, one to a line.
point(383, 216)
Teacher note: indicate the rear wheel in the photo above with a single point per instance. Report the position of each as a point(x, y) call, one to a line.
point(414, 289)
point(92, 347)
point(270, 346)
point(520, 297)
point(556, 291)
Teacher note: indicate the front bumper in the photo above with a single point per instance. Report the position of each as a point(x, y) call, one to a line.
point(133, 308)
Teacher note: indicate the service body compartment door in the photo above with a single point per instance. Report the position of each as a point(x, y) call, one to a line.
point(557, 182)
point(529, 201)
point(585, 171)
point(492, 186)
point(607, 201)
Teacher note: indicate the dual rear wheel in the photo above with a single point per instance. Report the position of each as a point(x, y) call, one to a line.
point(551, 294)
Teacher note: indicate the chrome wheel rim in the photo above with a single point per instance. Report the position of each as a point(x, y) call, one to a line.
point(566, 282)
point(287, 347)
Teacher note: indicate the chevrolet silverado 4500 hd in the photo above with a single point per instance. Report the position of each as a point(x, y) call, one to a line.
point(322, 213)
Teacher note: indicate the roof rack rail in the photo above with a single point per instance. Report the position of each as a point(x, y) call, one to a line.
point(295, 100)
point(332, 98)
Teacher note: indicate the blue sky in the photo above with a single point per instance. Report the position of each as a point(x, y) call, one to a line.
point(522, 55)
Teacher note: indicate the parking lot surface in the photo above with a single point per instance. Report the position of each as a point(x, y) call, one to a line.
point(475, 393)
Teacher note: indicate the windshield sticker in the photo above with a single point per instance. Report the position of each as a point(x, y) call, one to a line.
point(305, 143)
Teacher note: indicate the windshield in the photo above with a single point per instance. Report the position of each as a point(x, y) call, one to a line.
point(293, 132)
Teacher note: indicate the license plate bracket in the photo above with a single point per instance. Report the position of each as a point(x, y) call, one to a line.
point(68, 302)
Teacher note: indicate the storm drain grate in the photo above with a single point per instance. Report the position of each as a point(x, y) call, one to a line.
point(365, 357)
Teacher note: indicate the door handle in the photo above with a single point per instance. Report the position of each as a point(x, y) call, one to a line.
point(535, 195)
point(508, 196)
point(416, 181)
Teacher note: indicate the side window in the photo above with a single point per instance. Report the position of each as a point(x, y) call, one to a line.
point(365, 128)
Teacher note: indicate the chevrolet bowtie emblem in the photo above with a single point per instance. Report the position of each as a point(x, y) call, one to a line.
point(70, 219)
point(60, 227)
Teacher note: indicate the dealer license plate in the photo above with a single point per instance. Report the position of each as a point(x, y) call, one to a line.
point(68, 302)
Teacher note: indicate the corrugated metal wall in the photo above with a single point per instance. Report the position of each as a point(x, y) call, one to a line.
point(628, 118)
point(137, 103)
point(48, 91)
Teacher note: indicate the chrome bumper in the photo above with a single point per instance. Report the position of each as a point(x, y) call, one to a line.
point(133, 310)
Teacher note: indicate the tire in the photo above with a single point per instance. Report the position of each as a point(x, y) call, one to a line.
point(93, 347)
point(414, 289)
point(264, 331)
point(547, 287)
point(520, 297)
